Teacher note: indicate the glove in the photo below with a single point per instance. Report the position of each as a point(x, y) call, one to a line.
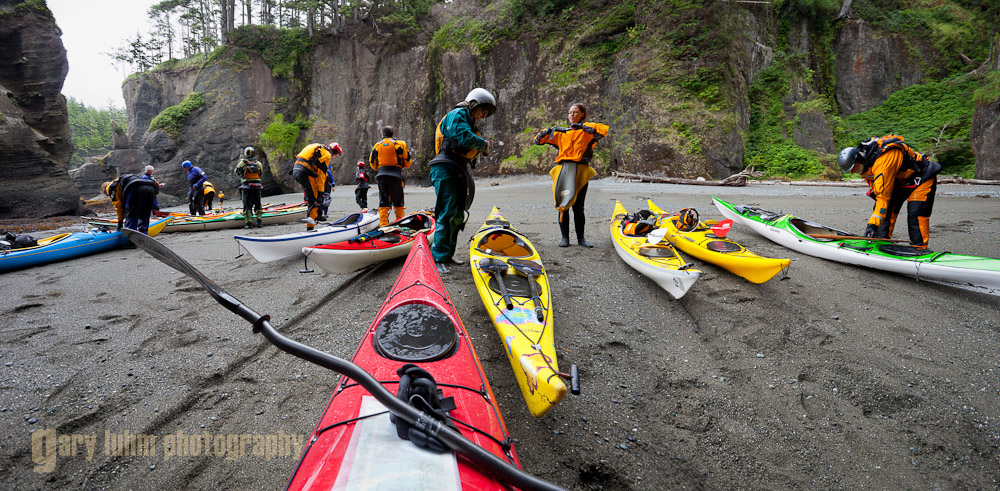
point(870, 230)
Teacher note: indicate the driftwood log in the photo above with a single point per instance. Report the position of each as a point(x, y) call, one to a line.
point(739, 179)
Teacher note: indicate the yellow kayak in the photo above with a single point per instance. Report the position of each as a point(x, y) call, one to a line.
point(703, 244)
point(520, 307)
point(655, 259)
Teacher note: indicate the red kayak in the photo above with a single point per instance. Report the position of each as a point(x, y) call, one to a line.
point(381, 244)
point(417, 331)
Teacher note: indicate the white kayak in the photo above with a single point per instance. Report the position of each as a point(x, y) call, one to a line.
point(275, 247)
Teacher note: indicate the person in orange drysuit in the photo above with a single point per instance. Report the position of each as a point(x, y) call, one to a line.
point(572, 171)
point(896, 174)
point(310, 169)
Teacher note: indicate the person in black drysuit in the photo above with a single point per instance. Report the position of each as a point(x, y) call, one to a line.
point(133, 198)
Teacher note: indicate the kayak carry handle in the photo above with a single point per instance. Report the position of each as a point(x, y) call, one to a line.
point(574, 380)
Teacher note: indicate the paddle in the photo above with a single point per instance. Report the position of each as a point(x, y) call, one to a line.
point(854, 237)
point(657, 235)
point(496, 267)
point(410, 414)
point(721, 229)
point(530, 269)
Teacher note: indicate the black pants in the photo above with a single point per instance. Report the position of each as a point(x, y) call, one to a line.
point(361, 196)
point(390, 191)
point(578, 217)
point(251, 201)
point(196, 200)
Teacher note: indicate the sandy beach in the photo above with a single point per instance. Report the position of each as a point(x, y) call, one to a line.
point(836, 377)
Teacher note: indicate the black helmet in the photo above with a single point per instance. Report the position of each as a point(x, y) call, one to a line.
point(846, 159)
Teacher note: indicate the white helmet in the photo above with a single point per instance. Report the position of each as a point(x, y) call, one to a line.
point(248, 152)
point(480, 96)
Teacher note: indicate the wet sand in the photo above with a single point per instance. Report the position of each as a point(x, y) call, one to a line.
point(835, 377)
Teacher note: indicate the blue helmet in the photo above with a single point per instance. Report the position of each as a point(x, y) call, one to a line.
point(187, 164)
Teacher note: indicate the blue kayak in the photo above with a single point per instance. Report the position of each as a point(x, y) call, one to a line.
point(68, 246)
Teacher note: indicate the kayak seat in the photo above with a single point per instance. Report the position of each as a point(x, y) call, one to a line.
point(352, 218)
point(516, 285)
point(415, 222)
point(415, 332)
point(723, 246)
point(656, 251)
point(503, 243)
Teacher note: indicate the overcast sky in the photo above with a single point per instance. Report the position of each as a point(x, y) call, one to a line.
point(91, 28)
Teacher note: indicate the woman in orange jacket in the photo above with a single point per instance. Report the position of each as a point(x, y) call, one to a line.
point(572, 171)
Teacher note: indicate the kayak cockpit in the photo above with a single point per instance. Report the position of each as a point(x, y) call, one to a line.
point(503, 243)
point(812, 228)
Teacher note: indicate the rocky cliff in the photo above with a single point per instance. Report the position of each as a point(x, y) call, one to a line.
point(35, 145)
point(985, 136)
point(350, 86)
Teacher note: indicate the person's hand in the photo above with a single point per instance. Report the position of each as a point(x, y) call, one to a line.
point(870, 230)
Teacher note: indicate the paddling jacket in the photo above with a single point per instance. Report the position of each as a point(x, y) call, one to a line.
point(118, 189)
point(209, 189)
point(456, 137)
point(576, 143)
point(195, 176)
point(249, 171)
point(315, 159)
point(361, 177)
point(390, 153)
point(888, 164)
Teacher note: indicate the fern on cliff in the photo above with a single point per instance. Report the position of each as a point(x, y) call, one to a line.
point(171, 119)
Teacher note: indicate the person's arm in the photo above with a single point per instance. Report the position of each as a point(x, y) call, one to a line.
point(204, 177)
point(595, 130)
point(373, 158)
point(404, 155)
point(457, 127)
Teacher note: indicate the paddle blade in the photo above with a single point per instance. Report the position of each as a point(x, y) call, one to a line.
point(166, 256)
point(721, 229)
point(656, 236)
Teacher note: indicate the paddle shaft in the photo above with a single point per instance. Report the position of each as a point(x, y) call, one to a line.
point(452, 438)
point(854, 237)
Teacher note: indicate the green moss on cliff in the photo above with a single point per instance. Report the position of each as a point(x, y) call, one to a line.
point(280, 139)
point(171, 119)
point(934, 117)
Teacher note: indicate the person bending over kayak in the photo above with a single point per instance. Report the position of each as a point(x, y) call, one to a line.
point(896, 174)
point(196, 192)
point(209, 195)
point(250, 172)
point(133, 198)
point(388, 158)
point(457, 144)
point(310, 169)
point(572, 171)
